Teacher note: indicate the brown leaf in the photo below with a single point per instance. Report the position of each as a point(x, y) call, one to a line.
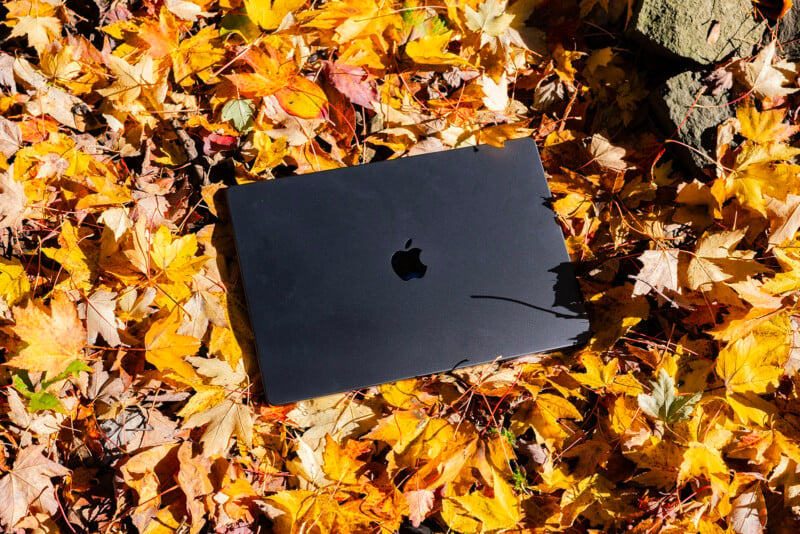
point(28, 486)
point(607, 155)
point(659, 272)
point(749, 513)
point(222, 421)
point(100, 318)
point(420, 503)
point(769, 78)
point(13, 201)
point(193, 479)
point(784, 219)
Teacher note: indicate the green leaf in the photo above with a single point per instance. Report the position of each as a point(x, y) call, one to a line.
point(241, 24)
point(72, 369)
point(239, 113)
point(663, 404)
point(42, 400)
point(22, 383)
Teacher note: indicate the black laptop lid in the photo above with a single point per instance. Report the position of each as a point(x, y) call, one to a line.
point(374, 273)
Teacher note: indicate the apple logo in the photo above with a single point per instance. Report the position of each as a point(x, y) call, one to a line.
point(406, 263)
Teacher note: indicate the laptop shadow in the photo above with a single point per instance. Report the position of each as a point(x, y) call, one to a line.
point(567, 297)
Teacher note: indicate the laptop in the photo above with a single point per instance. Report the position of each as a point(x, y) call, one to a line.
point(364, 275)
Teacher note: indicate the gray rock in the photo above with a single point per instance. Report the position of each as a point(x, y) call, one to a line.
point(789, 33)
point(704, 31)
point(671, 105)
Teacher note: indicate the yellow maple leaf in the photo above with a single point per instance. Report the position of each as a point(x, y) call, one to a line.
point(166, 349)
point(197, 56)
point(700, 460)
point(748, 368)
point(544, 416)
point(13, 281)
point(143, 80)
point(717, 260)
point(269, 14)
point(341, 464)
point(349, 20)
point(479, 512)
point(431, 50)
point(763, 127)
point(309, 511)
point(51, 338)
point(762, 164)
point(36, 21)
point(175, 257)
point(598, 375)
point(72, 257)
point(400, 428)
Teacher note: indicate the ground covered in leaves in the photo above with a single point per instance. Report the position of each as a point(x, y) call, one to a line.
point(131, 400)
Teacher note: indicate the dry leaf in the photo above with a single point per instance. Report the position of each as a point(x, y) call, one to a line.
point(28, 486)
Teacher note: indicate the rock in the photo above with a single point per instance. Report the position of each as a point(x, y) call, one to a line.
point(703, 31)
point(789, 33)
point(671, 105)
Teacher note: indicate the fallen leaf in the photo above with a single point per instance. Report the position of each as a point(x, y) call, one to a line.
point(52, 337)
point(100, 318)
point(663, 404)
point(420, 504)
point(221, 422)
point(749, 513)
point(607, 155)
point(29, 486)
point(659, 272)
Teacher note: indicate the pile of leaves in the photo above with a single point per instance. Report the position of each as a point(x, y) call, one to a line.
point(131, 398)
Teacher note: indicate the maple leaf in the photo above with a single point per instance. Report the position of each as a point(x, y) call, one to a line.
point(269, 14)
point(352, 82)
point(432, 50)
point(38, 29)
point(702, 460)
point(13, 202)
point(502, 511)
point(749, 513)
point(659, 272)
point(175, 257)
point(143, 473)
point(420, 504)
point(607, 155)
point(766, 77)
point(221, 422)
point(784, 219)
point(166, 349)
point(764, 127)
point(341, 464)
point(193, 479)
point(100, 318)
point(717, 260)
point(298, 508)
point(490, 18)
point(134, 81)
point(663, 404)
point(72, 257)
point(746, 368)
point(544, 415)
point(51, 338)
point(495, 93)
point(14, 284)
point(28, 485)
